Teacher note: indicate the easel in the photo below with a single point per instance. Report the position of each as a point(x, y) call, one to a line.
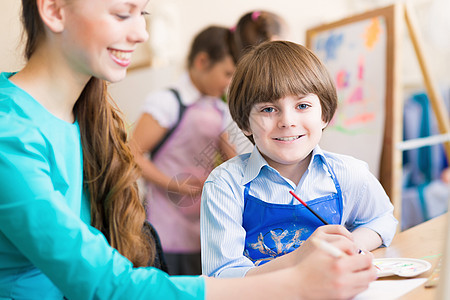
point(434, 97)
point(390, 163)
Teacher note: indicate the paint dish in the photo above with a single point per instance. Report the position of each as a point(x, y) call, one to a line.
point(404, 267)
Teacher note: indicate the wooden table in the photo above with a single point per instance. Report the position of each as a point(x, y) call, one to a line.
point(424, 241)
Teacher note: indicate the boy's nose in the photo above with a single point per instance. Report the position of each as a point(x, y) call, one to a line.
point(287, 119)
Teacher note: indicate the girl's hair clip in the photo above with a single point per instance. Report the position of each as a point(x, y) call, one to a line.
point(255, 15)
point(233, 29)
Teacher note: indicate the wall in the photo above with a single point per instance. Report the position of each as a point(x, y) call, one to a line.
point(10, 36)
point(177, 21)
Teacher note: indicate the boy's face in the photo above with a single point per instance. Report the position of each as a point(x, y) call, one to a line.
point(287, 130)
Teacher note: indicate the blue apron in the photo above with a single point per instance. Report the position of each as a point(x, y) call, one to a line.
point(274, 230)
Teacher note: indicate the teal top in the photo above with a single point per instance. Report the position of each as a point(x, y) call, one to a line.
point(47, 247)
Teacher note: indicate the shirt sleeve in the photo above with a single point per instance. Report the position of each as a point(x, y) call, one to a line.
point(35, 218)
point(222, 234)
point(367, 205)
point(163, 107)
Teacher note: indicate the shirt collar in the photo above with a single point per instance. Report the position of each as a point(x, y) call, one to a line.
point(318, 157)
point(256, 163)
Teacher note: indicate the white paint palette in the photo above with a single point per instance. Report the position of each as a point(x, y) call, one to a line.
point(404, 267)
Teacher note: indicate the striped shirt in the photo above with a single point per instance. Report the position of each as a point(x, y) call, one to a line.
point(365, 203)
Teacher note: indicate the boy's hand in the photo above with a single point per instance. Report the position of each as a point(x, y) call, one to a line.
point(335, 234)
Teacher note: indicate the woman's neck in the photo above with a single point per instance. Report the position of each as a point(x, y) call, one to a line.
point(52, 84)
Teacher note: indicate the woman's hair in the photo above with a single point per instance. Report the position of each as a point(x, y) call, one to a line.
point(215, 41)
point(256, 27)
point(274, 70)
point(110, 172)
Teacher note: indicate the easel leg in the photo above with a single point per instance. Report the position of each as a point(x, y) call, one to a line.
point(435, 99)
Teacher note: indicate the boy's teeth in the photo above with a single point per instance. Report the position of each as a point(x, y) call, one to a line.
point(287, 139)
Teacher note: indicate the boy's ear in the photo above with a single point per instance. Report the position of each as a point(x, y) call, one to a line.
point(246, 132)
point(51, 13)
point(324, 124)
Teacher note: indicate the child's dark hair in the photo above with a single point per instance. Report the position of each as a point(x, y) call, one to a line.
point(274, 70)
point(256, 27)
point(215, 41)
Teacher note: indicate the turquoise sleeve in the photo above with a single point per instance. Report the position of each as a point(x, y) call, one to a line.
point(37, 221)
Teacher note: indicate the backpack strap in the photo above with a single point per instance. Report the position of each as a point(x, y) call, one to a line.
point(182, 108)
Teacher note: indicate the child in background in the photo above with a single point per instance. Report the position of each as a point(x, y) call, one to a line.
point(256, 27)
point(183, 129)
point(252, 29)
point(282, 97)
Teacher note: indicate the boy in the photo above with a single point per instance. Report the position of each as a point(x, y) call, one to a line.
point(282, 97)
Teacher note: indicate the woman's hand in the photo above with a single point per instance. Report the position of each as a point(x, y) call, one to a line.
point(317, 276)
point(322, 276)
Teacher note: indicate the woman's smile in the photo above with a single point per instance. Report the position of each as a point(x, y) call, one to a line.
point(121, 57)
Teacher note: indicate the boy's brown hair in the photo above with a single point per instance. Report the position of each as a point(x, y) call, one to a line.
point(274, 70)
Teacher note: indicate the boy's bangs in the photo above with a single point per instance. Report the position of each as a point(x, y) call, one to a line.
point(279, 77)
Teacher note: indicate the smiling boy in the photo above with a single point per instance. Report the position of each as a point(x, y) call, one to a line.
point(282, 97)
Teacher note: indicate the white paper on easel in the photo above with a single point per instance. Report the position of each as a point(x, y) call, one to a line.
point(389, 289)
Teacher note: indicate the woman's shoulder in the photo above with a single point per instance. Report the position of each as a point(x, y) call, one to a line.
point(17, 106)
point(13, 114)
point(22, 120)
point(19, 135)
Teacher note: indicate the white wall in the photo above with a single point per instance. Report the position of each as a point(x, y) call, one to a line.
point(178, 21)
point(10, 36)
point(175, 22)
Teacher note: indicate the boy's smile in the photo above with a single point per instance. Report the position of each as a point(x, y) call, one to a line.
point(286, 131)
point(288, 139)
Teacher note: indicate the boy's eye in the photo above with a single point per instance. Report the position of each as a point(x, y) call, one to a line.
point(303, 106)
point(268, 109)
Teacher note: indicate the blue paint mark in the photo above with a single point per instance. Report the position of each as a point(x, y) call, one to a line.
point(331, 45)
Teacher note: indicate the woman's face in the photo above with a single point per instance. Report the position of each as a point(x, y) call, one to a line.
point(99, 36)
